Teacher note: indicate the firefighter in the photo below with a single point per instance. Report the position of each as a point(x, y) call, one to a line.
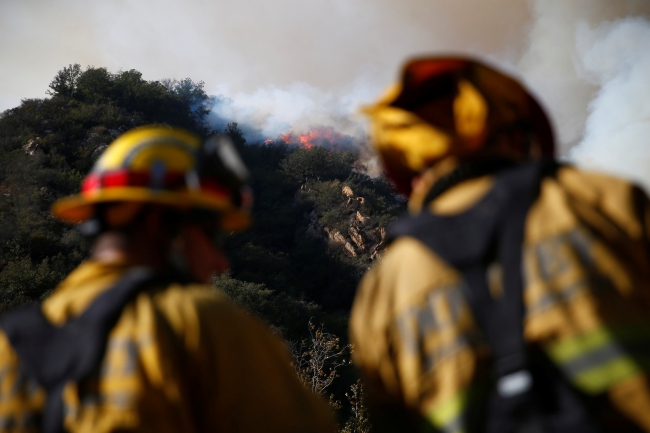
point(134, 339)
point(514, 296)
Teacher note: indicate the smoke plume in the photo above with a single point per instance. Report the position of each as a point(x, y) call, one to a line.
point(615, 58)
point(588, 61)
point(274, 112)
point(276, 67)
point(585, 59)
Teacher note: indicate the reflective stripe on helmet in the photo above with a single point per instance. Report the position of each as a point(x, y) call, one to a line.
point(170, 181)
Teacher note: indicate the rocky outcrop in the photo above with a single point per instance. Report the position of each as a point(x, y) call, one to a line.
point(380, 237)
point(31, 146)
point(358, 235)
point(336, 237)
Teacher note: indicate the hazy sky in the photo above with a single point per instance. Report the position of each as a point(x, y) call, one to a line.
point(290, 65)
point(244, 45)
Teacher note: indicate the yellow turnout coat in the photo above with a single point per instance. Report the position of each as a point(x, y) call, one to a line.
point(586, 273)
point(180, 359)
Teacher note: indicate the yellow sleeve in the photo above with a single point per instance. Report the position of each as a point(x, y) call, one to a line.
point(588, 272)
point(21, 400)
point(415, 341)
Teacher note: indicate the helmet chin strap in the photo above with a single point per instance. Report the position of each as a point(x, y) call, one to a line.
point(464, 172)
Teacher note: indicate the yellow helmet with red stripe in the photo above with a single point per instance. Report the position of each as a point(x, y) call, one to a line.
point(455, 106)
point(165, 166)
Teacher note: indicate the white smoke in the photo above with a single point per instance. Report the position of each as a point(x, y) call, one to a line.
point(269, 112)
point(585, 59)
point(615, 57)
point(588, 62)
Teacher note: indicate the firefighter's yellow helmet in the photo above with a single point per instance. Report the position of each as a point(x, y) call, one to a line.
point(454, 106)
point(165, 166)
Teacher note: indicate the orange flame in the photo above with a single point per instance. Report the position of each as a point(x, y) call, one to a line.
point(324, 136)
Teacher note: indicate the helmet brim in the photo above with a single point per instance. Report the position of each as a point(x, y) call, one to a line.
point(80, 207)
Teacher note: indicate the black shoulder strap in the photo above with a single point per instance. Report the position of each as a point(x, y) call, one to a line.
point(55, 355)
point(490, 232)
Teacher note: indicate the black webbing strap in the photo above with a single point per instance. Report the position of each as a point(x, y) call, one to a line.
point(466, 171)
point(490, 232)
point(56, 355)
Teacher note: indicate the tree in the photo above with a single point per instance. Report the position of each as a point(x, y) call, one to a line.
point(317, 359)
point(359, 422)
point(318, 163)
point(192, 94)
point(95, 85)
point(65, 82)
point(236, 135)
point(284, 314)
